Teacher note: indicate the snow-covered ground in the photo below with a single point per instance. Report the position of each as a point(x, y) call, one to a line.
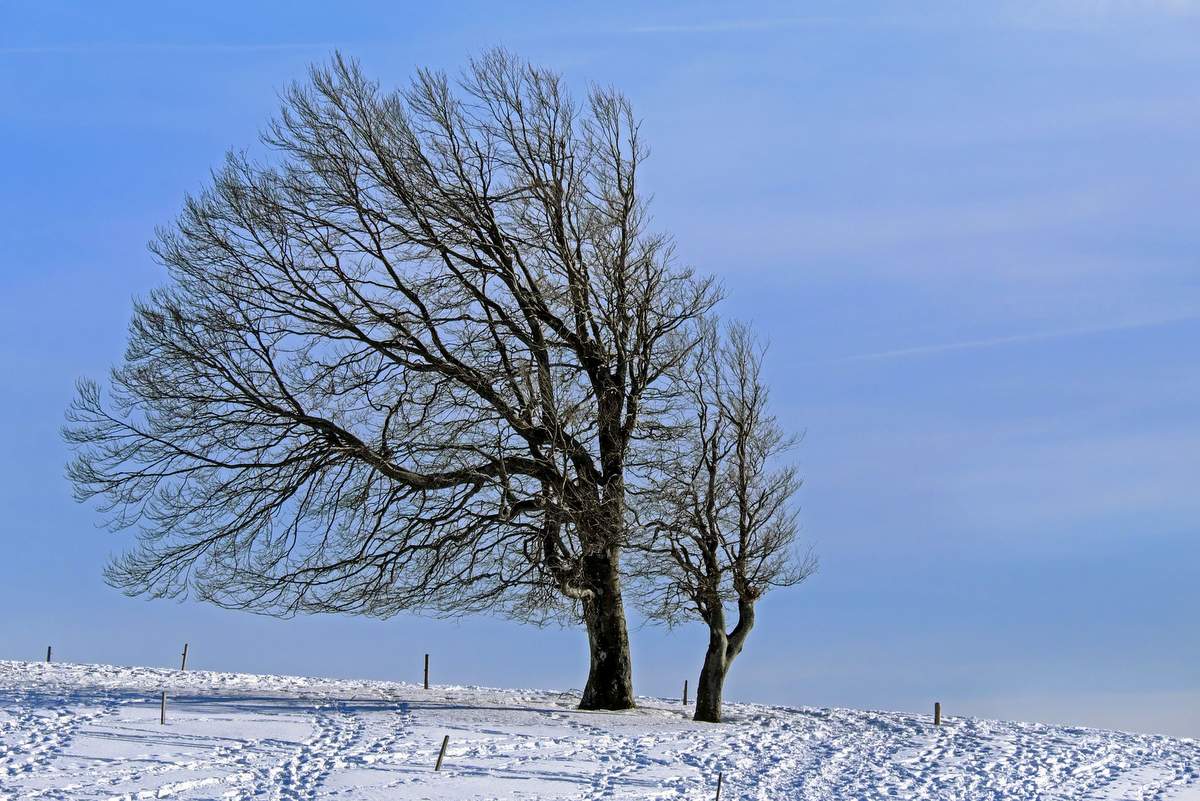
point(92, 731)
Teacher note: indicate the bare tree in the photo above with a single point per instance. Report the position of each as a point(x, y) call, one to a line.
point(400, 363)
point(720, 528)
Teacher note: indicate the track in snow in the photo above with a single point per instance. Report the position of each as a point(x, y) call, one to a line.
point(76, 732)
point(40, 728)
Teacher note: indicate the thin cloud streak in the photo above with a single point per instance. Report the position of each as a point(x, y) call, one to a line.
point(163, 47)
point(781, 23)
point(726, 26)
point(1016, 339)
point(1064, 15)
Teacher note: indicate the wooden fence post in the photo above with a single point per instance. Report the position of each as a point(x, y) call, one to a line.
point(162, 710)
point(426, 671)
point(685, 692)
point(937, 713)
point(48, 649)
point(719, 776)
point(183, 664)
point(442, 753)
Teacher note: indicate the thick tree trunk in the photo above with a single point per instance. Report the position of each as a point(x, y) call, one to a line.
point(610, 675)
point(712, 678)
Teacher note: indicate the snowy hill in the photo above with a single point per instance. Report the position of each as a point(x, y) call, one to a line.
point(92, 731)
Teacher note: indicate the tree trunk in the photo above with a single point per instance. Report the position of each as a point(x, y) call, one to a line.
point(610, 674)
point(722, 650)
point(712, 678)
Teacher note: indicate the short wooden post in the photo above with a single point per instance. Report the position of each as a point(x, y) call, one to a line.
point(426, 671)
point(48, 649)
point(937, 713)
point(442, 753)
point(162, 710)
point(183, 664)
point(719, 786)
point(685, 692)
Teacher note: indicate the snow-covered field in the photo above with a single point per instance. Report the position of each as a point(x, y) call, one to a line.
point(92, 731)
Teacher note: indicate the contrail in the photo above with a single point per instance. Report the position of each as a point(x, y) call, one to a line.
point(1016, 339)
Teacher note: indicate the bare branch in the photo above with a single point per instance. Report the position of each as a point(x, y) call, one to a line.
point(402, 363)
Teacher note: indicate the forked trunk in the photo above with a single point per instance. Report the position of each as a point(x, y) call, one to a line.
point(610, 673)
point(722, 650)
point(712, 678)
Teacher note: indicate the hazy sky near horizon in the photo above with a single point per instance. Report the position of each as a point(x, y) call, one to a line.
point(969, 232)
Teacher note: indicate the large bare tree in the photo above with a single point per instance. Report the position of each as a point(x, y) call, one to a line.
point(720, 523)
point(400, 362)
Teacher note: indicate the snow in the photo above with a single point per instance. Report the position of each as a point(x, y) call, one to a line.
point(92, 732)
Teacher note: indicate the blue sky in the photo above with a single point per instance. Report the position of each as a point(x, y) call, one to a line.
point(968, 230)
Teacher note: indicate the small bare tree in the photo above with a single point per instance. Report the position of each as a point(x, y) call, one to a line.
point(401, 362)
point(722, 524)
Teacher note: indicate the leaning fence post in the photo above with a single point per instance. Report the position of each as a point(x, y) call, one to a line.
point(719, 775)
point(162, 710)
point(183, 664)
point(426, 671)
point(937, 713)
point(442, 753)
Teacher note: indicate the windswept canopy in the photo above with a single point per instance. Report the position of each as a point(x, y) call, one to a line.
point(400, 362)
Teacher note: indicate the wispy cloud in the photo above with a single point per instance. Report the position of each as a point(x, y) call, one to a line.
point(1058, 15)
point(866, 229)
point(754, 24)
point(84, 48)
point(916, 236)
point(1017, 339)
point(734, 25)
point(1124, 7)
